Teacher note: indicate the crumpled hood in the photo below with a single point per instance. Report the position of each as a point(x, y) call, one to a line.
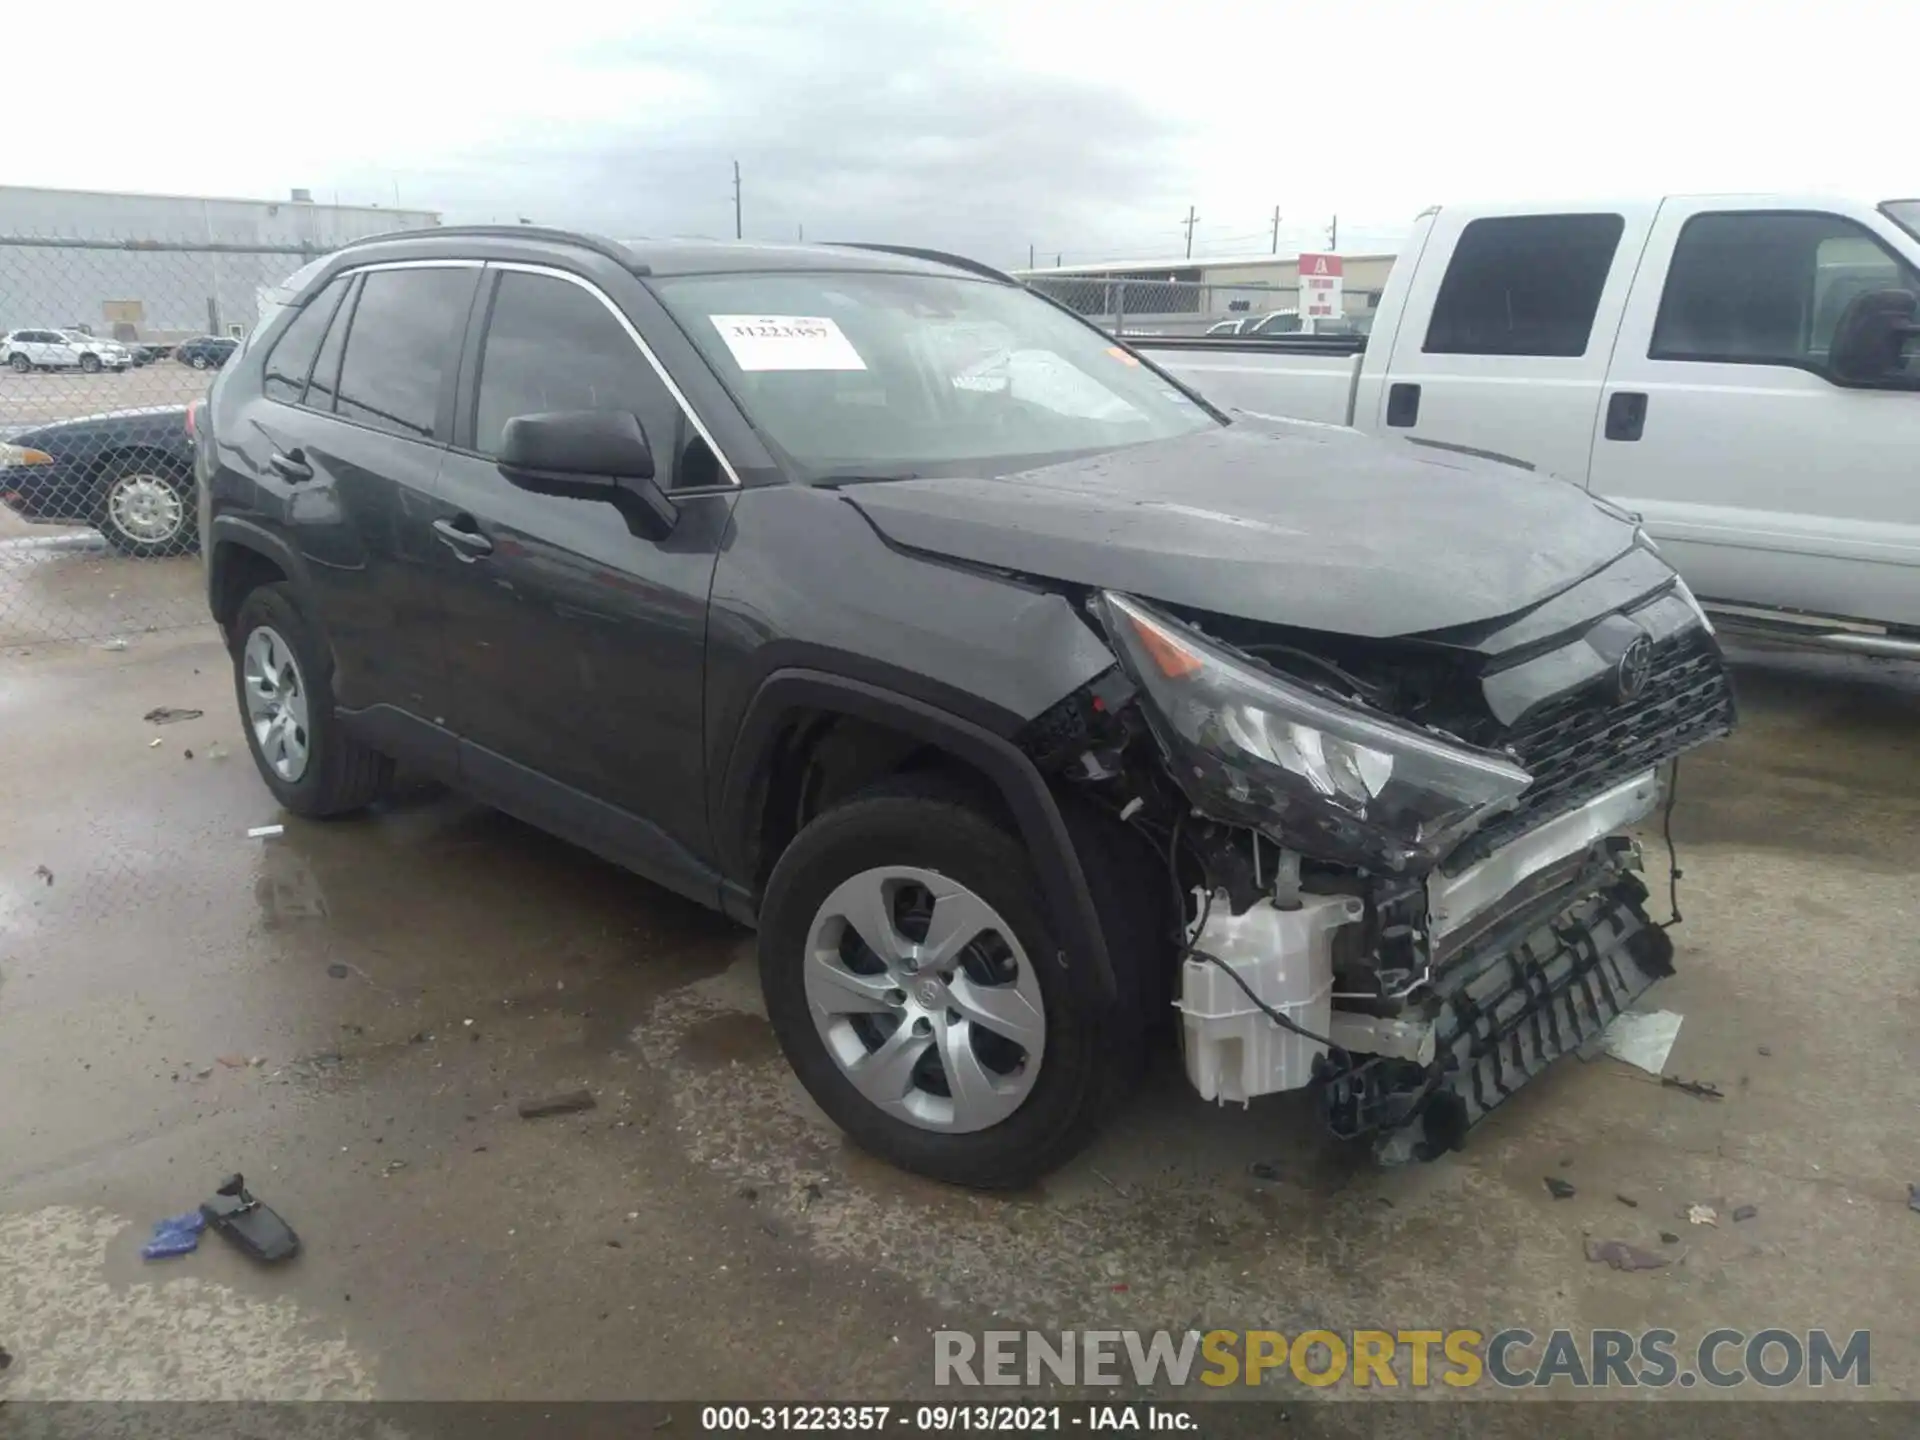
point(1308, 526)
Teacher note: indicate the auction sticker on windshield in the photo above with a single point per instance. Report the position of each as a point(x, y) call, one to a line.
point(787, 342)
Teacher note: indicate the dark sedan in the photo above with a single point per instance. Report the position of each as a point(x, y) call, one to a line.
point(206, 352)
point(129, 474)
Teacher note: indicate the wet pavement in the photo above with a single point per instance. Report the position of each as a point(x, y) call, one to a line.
point(350, 1013)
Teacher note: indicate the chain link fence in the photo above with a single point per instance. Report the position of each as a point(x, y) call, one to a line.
point(103, 342)
point(1191, 307)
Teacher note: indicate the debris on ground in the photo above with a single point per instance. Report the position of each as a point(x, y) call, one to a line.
point(1913, 1197)
point(1626, 1199)
point(1558, 1188)
point(1702, 1215)
point(154, 744)
point(6, 1357)
point(233, 1062)
point(1700, 1089)
point(116, 643)
point(1117, 1187)
point(216, 751)
point(1766, 1050)
point(1264, 1170)
point(1622, 1256)
point(337, 971)
point(203, 1072)
point(176, 1235)
point(1745, 1212)
point(266, 832)
point(41, 872)
point(255, 1229)
point(187, 753)
point(1642, 1040)
point(168, 715)
point(813, 1191)
point(567, 1104)
point(1667, 1237)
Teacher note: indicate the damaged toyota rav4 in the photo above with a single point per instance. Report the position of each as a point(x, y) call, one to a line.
point(1027, 705)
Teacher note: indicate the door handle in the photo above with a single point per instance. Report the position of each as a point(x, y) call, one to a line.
point(462, 538)
point(1626, 415)
point(291, 466)
point(1403, 404)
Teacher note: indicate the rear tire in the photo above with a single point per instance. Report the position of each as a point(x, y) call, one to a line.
point(1089, 1053)
point(147, 508)
point(199, 362)
point(338, 774)
point(21, 364)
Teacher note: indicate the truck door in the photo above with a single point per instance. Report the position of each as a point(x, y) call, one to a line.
point(1508, 326)
point(1764, 480)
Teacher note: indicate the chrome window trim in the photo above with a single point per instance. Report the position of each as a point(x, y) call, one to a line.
point(639, 341)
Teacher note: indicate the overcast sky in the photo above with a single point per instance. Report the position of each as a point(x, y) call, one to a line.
point(986, 126)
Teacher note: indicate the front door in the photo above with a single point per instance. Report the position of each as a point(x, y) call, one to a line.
point(346, 441)
point(1764, 482)
point(577, 649)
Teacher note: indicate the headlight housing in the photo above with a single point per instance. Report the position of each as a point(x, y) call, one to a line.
point(11, 455)
point(1251, 747)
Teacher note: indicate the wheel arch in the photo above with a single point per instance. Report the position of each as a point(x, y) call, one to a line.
point(241, 556)
point(910, 734)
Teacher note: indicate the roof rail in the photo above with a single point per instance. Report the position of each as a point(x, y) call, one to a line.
point(612, 249)
point(941, 257)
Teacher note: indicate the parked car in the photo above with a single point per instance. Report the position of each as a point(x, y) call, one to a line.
point(206, 352)
point(1016, 694)
point(129, 474)
point(1741, 371)
point(145, 352)
point(26, 350)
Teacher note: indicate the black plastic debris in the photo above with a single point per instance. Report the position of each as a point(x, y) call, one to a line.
point(1667, 1237)
point(1264, 1170)
point(1558, 1188)
point(1745, 1212)
point(6, 1357)
point(1622, 1256)
point(1913, 1197)
point(1626, 1200)
point(41, 872)
point(168, 715)
point(254, 1228)
point(338, 972)
point(567, 1104)
point(1699, 1089)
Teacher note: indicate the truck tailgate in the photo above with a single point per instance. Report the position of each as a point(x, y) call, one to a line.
point(1291, 380)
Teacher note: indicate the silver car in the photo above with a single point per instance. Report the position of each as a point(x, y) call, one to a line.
point(26, 350)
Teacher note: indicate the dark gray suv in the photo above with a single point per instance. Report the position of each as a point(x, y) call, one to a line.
point(1027, 704)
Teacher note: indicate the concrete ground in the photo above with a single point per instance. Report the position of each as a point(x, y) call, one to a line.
point(349, 1013)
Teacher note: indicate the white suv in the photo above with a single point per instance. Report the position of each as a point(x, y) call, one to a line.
point(28, 350)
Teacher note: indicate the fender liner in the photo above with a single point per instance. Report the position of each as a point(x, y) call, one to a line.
point(235, 532)
point(1021, 786)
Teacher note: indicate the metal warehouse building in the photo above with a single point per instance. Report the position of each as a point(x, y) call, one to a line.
point(163, 266)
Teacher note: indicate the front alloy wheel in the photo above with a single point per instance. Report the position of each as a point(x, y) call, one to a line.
point(276, 703)
point(924, 998)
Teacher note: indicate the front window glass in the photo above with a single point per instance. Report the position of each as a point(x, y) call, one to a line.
point(869, 374)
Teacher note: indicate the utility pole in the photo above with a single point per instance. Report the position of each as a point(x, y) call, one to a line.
point(800, 233)
point(1030, 257)
point(1192, 220)
point(736, 200)
point(1276, 229)
point(1333, 234)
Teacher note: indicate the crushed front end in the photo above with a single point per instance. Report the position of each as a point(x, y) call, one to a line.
point(1402, 865)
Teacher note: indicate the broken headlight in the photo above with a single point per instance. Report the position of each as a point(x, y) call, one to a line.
point(1333, 781)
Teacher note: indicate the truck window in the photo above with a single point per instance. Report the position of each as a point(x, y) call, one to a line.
point(1767, 288)
point(1524, 285)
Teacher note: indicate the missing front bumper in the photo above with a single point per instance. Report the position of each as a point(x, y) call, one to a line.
point(1501, 1015)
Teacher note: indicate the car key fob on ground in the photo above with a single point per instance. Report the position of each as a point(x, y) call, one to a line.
point(254, 1227)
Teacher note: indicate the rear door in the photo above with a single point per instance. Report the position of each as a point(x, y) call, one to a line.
point(577, 649)
point(346, 441)
point(1765, 482)
point(1508, 325)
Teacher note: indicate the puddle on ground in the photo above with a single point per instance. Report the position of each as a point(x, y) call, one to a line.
point(729, 1037)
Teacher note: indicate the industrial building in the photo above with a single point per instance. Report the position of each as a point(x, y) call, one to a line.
point(163, 266)
point(1171, 297)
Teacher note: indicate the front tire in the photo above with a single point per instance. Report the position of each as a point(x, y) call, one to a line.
point(146, 509)
point(284, 683)
point(90, 364)
point(21, 364)
point(912, 976)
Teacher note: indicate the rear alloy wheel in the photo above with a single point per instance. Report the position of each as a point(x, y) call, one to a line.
point(145, 509)
point(282, 680)
point(912, 977)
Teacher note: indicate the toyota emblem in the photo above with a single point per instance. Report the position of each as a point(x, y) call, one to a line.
point(1630, 676)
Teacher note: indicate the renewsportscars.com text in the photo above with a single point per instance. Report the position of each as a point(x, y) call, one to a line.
point(1513, 1358)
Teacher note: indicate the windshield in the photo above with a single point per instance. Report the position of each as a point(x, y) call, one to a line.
point(1905, 214)
point(868, 374)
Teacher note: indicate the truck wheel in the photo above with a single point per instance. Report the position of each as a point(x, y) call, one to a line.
point(284, 684)
point(912, 976)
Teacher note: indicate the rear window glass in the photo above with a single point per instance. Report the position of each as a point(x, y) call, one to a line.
point(1524, 285)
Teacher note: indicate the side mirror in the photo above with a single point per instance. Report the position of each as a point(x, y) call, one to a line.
point(589, 455)
point(1869, 342)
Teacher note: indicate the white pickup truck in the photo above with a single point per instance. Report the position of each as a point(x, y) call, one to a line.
point(1742, 371)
